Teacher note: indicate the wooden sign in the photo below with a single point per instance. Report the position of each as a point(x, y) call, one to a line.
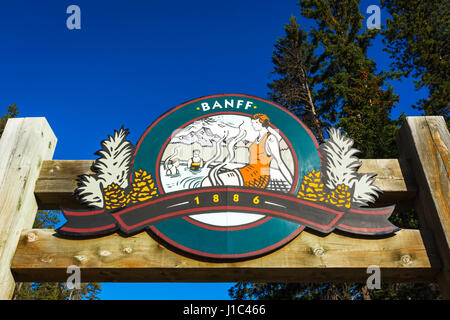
point(226, 176)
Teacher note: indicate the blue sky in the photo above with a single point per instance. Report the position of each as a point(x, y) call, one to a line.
point(132, 61)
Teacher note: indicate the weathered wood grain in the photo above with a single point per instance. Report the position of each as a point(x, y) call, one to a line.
point(41, 256)
point(425, 143)
point(393, 178)
point(58, 180)
point(24, 145)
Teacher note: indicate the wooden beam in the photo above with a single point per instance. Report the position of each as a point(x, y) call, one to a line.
point(24, 145)
point(42, 256)
point(393, 178)
point(57, 181)
point(425, 143)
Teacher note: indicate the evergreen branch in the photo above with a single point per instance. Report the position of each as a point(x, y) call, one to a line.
point(341, 166)
point(113, 166)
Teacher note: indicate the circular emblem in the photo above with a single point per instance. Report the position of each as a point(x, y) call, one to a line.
point(210, 149)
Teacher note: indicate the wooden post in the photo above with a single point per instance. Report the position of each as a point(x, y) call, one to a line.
point(24, 145)
point(425, 142)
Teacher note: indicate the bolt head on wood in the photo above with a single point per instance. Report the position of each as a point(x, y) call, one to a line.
point(81, 258)
point(127, 250)
point(47, 259)
point(406, 259)
point(31, 237)
point(319, 252)
point(104, 253)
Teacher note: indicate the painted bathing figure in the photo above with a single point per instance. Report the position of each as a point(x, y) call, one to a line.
point(196, 162)
point(172, 167)
point(262, 151)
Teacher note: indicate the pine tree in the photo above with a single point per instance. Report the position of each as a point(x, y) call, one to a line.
point(345, 72)
point(365, 116)
point(326, 78)
point(418, 40)
point(292, 89)
point(11, 112)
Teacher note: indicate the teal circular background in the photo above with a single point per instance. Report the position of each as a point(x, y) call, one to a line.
point(249, 242)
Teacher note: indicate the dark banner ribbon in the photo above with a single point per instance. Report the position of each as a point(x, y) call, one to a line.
point(317, 216)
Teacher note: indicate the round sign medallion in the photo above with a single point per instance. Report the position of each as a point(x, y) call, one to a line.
point(227, 140)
